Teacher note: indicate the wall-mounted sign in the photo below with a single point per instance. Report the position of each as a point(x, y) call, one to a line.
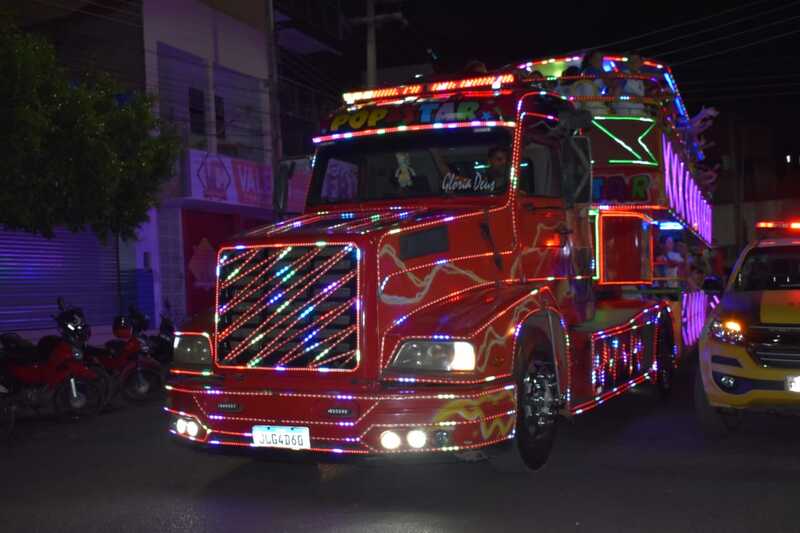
point(226, 179)
point(219, 178)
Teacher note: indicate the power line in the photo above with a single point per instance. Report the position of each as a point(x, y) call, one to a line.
point(747, 45)
point(719, 26)
point(750, 78)
point(725, 37)
point(671, 27)
point(745, 96)
point(739, 88)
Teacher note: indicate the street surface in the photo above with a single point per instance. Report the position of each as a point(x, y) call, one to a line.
point(635, 464)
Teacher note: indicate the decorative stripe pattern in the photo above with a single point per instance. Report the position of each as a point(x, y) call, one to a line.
point(288, 307)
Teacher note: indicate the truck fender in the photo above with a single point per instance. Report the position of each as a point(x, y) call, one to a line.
point(546, 326)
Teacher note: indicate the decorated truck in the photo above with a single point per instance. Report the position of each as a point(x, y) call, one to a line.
point(476, 261)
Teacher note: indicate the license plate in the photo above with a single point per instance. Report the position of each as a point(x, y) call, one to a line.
point(291, 437)
point(793, 383)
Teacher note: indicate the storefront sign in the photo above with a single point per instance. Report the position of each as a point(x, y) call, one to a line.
point(225, 179)
point(219, 178)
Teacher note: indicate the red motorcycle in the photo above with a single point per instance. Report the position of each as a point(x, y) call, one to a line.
point(127, 360)
point(52, 373)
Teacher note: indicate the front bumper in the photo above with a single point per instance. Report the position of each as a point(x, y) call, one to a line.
point(755, 387)
point(454, 418)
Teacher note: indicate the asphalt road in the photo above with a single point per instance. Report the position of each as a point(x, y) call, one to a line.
point(635, 464)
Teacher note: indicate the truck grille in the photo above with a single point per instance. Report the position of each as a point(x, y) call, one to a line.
point(288, 307)
point(775, 346)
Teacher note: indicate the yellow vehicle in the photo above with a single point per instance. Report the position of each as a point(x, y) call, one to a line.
point(749, 353)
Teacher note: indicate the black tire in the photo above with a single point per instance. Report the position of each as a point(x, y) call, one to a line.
point(665, 357)
point(713, 423)
point(142, 385)
point(104, 382)
point(537, 416)
point(86, 403)
point(7, 417)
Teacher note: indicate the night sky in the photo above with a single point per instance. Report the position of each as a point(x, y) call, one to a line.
point(760, 81)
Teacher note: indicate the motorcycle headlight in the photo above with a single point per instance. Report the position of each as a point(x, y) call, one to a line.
point(728, 331)
point(192, 349)
point(77, 353)
point(451, 356)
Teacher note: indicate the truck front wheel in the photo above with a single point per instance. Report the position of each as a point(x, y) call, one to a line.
point(537, 412)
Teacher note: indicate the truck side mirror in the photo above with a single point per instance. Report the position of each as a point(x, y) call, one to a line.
point(713, 285)
point(577, 169)
point(280, 190)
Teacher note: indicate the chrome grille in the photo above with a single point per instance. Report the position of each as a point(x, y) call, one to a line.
point(775, 346)
point(285, 307)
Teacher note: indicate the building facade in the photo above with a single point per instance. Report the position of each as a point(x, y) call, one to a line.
point(207, 63)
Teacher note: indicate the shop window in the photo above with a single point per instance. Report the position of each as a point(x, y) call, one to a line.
point(197, 111)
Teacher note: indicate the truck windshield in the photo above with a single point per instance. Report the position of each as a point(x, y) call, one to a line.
point(770, 269)
point(441, 163)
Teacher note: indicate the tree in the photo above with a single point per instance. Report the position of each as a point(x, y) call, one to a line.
point(76, 153)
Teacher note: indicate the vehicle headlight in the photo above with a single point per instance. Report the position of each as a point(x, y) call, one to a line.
point(77, 353)
point(728, 331)
point(451, 356)
point(192, 349)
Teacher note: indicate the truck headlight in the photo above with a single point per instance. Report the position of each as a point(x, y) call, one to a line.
point(451, 356)
point(728, 331)
point(192, 349)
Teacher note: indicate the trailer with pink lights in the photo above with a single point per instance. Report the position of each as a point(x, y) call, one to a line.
point(476, 260)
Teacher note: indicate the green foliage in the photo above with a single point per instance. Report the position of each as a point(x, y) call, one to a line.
point(73, 155)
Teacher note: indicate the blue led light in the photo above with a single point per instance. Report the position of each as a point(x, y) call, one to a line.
point(239, 247)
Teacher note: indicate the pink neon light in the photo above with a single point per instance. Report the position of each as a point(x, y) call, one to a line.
point(693, 316)
point(685, 197)
point(415, 127)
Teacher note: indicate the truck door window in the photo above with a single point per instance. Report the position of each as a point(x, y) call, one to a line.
point(539, 168)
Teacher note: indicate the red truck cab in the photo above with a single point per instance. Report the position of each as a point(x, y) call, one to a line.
point(453, 285)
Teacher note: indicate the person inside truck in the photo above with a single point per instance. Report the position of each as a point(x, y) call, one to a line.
point(497, 172)
point(594, 86)
point(630, 87)
point(462, 179)
point(564, 87)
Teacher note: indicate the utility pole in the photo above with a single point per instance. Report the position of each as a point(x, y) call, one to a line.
point(372, 21)
point(273, 113)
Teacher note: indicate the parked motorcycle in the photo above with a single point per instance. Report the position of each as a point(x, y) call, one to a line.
point(161, 345)
point(7, 412)
point(135, 374)
point(53, 372)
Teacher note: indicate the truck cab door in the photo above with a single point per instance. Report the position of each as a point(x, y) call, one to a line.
point(554, 231)
point(541, 212)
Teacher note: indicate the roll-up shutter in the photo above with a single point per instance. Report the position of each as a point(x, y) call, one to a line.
point(34, 271)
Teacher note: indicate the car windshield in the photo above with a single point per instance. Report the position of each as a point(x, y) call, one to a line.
point(774, 268)
point(442, 163)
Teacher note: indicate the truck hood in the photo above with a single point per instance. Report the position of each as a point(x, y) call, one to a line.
point(374, 222)
point(764, 307)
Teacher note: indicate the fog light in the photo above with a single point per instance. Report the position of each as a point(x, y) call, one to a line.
point(390, 440)
point(416, 438)
point(728, 382)
point(180, 426)
point(192, 429)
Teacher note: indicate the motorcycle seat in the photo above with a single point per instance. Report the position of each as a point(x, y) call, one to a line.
point(115, 346)
point(21, 352)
